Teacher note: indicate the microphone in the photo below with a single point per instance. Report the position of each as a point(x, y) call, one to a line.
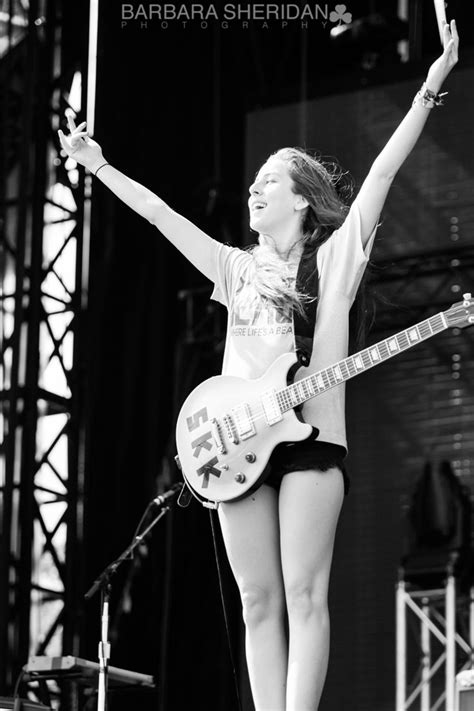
point(162, 499)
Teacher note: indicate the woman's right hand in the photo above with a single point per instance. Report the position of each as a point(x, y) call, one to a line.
point(80, 147)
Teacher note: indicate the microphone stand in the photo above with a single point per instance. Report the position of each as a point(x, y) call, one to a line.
point(103, 583)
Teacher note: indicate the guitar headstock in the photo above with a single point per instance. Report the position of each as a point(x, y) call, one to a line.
point(461, 314)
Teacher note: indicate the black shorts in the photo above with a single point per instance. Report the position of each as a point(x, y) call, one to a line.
point(308, 454)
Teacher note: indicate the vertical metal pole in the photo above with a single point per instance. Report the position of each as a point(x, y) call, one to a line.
point(426, 658)
point(450, 640)
point(471, 624)
point(217, 108)
point(303, 107)
point(415, 12)
point(42, 38)
point(400, 646)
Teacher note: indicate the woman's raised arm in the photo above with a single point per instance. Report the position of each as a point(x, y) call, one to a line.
point(373, 192)
point(192, 242)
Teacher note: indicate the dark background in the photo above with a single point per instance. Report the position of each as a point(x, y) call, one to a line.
point(190, 113)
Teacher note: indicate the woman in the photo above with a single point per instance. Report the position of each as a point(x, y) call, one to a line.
point(280, 539)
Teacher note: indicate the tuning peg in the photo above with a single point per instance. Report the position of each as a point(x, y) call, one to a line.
point(467, 299)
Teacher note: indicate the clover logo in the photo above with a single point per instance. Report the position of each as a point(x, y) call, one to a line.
point(340, 15)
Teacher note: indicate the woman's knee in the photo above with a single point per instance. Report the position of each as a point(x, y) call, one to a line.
point(306, 601)
point(261, 605)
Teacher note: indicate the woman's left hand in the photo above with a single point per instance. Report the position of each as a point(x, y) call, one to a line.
point(440, 69)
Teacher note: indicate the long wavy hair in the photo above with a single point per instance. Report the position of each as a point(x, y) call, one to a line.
point(327, 188)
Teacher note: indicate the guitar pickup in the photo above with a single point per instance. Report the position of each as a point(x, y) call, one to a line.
point(271, 408)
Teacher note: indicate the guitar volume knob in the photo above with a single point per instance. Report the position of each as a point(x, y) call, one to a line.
point(251, 457)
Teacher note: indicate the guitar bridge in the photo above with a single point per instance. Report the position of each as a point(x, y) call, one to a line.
point(217, 436)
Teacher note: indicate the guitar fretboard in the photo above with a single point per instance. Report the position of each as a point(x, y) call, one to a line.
point(317, 383)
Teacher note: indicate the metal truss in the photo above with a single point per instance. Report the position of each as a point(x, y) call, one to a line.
point(412, 288)
point(43, 281)
point(405, 289)
point(444, 641)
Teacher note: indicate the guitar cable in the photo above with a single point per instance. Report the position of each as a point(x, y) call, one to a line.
point(224, 609)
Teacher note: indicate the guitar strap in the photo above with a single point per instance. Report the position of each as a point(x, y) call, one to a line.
point(307, 282)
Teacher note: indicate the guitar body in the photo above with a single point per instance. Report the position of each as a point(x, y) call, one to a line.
point(228, 427)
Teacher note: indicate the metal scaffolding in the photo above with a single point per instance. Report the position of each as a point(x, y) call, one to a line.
point(43, 279)
point(443, 616)
point(406, 289)
point(420, 283)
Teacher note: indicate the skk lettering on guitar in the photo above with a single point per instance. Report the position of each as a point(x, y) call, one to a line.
point(208, 470)
point(202, 442)
point(197, 419)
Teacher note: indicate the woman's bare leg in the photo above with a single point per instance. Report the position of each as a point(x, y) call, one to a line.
point(310, 503)
point(252, 538)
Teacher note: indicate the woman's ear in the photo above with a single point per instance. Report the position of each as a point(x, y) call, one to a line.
point(301, 203)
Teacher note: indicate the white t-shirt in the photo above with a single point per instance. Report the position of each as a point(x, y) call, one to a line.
point(257, 336)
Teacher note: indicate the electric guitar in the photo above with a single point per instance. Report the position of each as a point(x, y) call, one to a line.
point(228, 426)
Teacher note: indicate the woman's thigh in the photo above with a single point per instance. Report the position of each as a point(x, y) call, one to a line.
point(251, 532)
point(310, 503)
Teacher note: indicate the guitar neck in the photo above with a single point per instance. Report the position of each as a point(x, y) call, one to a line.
point(317, 383)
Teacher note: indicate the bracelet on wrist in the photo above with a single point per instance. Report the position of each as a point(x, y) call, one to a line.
point(427, 98)
point(100, 167)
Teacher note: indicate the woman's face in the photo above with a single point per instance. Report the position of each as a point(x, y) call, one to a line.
point(273, 205)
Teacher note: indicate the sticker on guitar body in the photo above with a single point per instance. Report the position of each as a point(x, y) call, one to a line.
point(203, 441)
